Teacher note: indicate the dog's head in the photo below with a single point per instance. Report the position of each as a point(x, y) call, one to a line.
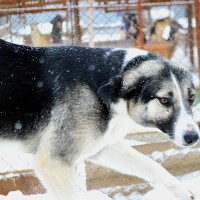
point(158, 94)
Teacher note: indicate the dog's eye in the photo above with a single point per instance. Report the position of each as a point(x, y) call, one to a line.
point(191, 98)
point(164, 101)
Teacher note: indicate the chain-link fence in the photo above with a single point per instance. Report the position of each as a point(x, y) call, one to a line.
point(167, 28)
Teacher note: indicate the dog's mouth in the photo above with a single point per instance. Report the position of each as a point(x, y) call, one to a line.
point(167, 130)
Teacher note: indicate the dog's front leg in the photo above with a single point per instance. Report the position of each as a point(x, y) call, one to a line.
point(127, 160)
point(56, 176)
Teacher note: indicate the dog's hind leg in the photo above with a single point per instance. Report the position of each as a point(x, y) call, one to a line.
point(56, 175)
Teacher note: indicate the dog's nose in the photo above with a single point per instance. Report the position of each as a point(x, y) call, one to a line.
point(191, 137)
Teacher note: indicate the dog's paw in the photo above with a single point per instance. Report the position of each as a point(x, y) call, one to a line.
point(182, 193)
point(163, 193)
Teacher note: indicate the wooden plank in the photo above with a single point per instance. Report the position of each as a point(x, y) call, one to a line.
point(8, 4)
point(29, 3)
point(131, 2)
point(106, 6)
point(163, 49)
point(27, 184)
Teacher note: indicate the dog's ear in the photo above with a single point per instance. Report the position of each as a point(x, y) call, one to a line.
point(111, 91)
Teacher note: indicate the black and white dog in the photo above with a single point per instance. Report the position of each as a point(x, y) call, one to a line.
point(68, 104)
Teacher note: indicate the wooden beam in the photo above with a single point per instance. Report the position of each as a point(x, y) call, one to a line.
point(107, 7)
point(77, 23)
point(190, 35)
point(28, 3)
point(140, 25)
point(197, 17)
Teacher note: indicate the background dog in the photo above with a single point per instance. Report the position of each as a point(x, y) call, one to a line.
point(156, 33)
point(37, 38)
point(131, 26)
point(68, 104)
point(158, 28)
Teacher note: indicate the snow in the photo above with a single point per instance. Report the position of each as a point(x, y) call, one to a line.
point(117, 192)
point(102, 37)
point(163, 194)
point(184, 22)
point(164, 155)
point(161, 13)
point(14, 162)
point(44, 28)
point(191, 180)
point(18, 126)
point(17, 195)
point(23, 161)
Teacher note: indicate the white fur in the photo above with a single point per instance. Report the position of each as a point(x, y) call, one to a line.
point(134, 74)
point(132, 53)
point(115, 132)
point(117, 155)
point(121, 123)
point(109, 152)
point(184, 118)
point(46, 168)
point(124, 159)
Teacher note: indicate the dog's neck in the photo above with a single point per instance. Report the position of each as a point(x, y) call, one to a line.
point(121, 123)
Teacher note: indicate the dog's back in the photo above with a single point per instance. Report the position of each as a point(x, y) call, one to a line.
point(33, 80)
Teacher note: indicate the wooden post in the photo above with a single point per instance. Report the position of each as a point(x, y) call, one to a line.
point(90, 27)
point(77, 23)
point(190, 35)
point(10, 27)
point(197, 17)
point(140, 25)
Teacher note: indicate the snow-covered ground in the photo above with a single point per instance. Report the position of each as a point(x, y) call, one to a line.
point(162, 194)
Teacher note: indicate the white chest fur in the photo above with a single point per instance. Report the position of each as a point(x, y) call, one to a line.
point(120, 125)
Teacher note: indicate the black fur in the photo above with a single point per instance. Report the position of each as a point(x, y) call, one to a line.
point(137, 61)
point(63, 95)
point(23, 101)
point(34, 79)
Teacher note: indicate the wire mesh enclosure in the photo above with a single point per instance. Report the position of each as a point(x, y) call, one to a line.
point(166, 27)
